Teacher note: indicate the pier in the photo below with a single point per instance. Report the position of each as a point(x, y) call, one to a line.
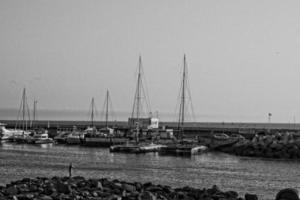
point(192, 129)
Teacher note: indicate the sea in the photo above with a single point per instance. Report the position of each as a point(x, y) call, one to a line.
point(264, 177)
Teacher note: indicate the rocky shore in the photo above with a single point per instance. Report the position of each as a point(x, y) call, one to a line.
point(77, 188)
point(279, 145)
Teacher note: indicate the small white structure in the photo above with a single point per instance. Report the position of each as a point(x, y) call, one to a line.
point(154, 123)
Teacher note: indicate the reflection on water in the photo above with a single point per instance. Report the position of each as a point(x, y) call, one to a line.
point(264, 177)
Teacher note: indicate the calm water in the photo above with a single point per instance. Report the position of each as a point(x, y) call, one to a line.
point(261, 176)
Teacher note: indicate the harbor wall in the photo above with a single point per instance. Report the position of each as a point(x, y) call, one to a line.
point(191, 128)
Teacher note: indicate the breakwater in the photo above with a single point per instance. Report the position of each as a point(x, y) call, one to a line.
point(191, 128)
point(278, 145)
point(78, 188)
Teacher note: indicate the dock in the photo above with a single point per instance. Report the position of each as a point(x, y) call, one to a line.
point(192, 129)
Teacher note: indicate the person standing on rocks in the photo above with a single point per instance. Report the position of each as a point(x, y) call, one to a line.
point(70, 170)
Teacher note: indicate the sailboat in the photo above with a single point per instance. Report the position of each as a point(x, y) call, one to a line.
point(6, 134)
point(106, 136)
point(40, 135)
point(20, 135)
point(182, 147)
point(137, 123)
point(78, 137)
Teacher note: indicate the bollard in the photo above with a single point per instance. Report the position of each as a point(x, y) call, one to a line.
point(287, 194)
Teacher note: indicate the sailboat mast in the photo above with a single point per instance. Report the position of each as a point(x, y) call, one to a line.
point(182, 100)
point(138, 100)
point(139, 90)
point(92, 114)
point(106, 114)
point(183, 91)
point(34, 112)
point(24, 126)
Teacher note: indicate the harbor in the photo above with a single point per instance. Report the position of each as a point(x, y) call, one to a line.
point(149, 100)
point(228, 172)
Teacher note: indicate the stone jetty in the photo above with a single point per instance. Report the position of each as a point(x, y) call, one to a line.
point(79, 188)
point(279, 145)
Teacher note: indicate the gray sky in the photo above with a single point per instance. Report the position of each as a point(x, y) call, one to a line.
point(242, 55)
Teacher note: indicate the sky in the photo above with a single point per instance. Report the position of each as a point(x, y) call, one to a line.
point(242, 56)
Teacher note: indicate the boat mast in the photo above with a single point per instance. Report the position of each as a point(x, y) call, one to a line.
point(92, 114)
point(106, 113)
point(34, 113)
point(182, 103)
point(24, 124)
point(138, 100)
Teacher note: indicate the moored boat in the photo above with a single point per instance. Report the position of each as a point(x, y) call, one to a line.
point(76, 137)
point(139, 126)
point(61, 138)
point(222, 140)
point(105, 137)
point(41, 138)
point(181, 146)
point(136, 148)
point(183, 149)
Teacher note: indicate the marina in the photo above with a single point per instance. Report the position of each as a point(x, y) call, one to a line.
point(149, 100)
point(242, 174)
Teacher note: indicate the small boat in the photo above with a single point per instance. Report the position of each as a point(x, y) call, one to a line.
point(61, 138)
point(76, 137)
point(6, 134)
point(41, 138)
point(136, 148)
point(105, 137)
point(183, 149)
point(223, 140)
point(22, 138)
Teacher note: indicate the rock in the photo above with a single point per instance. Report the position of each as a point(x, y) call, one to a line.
point(105, 182)
point(81, 184)
point(215, 189)
point(129, 187)
point(94, 194)
point(148, 184)
point(231, 194)
point(63, 188)
point(138, 186)
point(250, 196)
point(33, 188)
point(154, 188)
point(13, 190)
point(147, 196)
point(114, 197)
point(103, 194)
point(25, 196)
point(49, 189)
point(287, 194)
point(45, 197)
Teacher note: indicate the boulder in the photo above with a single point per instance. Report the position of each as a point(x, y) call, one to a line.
point(94, 183)
point(287, 194)
point(129, 187)
point(250, 196)
point(231, 194)
point(45, 197)
point(63, 188)
point(147, 196)
point(12, 190)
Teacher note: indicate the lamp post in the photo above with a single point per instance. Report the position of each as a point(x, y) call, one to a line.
point(269, 121)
